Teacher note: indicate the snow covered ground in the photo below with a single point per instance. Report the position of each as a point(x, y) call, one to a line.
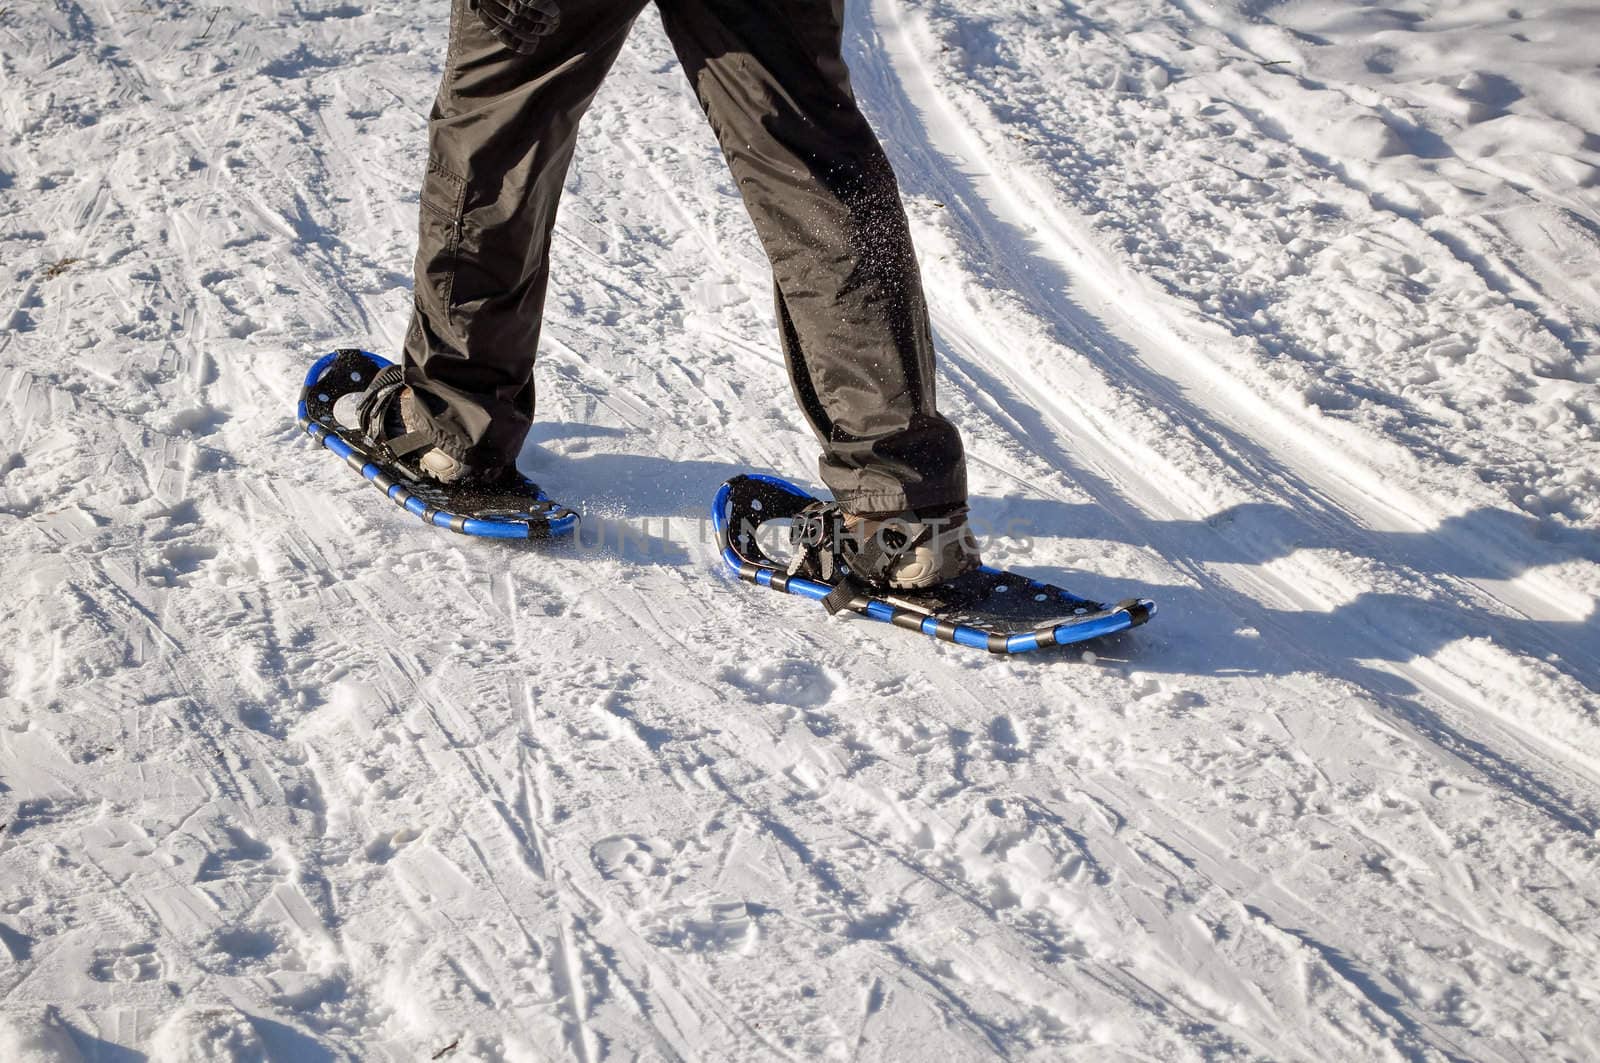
point(1286, 313)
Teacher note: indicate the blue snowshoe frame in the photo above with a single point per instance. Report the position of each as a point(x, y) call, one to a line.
point(422, 500)
point(746, 501)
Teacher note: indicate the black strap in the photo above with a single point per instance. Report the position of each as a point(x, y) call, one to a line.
point(844, 592)
point(375, 408)
point(813, 534)
point(873, 557)
point(375, 402)
point(409, 443)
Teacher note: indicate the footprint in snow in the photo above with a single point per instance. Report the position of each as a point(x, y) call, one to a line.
point(236, 854)
point(383, 848)
point(718, 926)
point(1152, 693)
point(199, 1034)
point(131, 963)
point(244, 951)
point(627, 858)
point(790, 681)
point(199, 420)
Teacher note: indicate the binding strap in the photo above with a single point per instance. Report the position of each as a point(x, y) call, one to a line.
point(374, 414)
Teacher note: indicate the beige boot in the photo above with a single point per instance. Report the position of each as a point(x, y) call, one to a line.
point(935, 549)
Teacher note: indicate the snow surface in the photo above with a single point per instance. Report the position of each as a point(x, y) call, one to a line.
point(1285, 313)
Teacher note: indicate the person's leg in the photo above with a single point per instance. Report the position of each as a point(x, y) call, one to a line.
point(500, 137)
point(825, 204)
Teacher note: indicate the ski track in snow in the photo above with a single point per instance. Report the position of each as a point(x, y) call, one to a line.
point(1266, 310)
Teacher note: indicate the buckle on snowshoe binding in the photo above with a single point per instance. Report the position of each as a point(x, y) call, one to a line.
point(829, 550)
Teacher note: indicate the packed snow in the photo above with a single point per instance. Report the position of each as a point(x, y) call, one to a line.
point(1285, 314)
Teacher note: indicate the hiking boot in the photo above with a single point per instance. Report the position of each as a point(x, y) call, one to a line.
point(903, 552)
point(925, 551)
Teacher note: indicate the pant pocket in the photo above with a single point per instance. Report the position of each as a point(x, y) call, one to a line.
point(439, 241)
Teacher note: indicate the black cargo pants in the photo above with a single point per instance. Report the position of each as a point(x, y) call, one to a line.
point(816, 183)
